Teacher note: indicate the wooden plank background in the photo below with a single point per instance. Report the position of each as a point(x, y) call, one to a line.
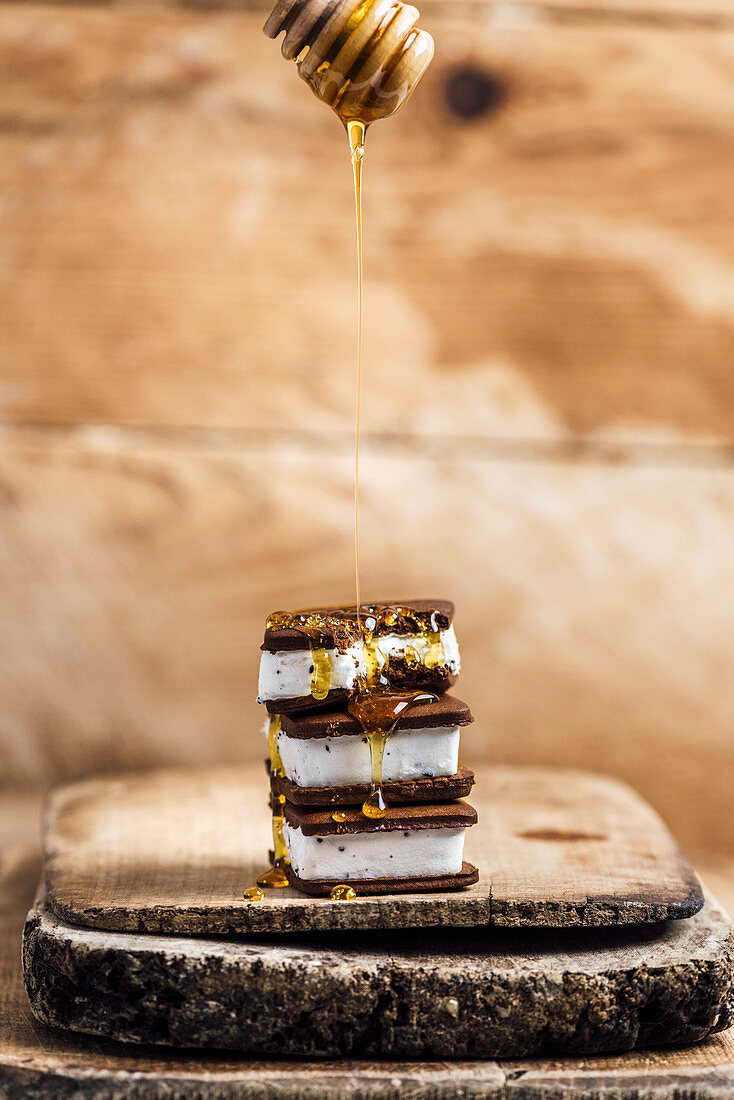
point(548, 398)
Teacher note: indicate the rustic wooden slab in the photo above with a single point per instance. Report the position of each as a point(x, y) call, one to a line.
point(446, 993)
point(171, 851)
point(37, 1062)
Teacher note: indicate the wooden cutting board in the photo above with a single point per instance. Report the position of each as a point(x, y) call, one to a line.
point(171, 851)
point(433, 993)
point(38, 1062)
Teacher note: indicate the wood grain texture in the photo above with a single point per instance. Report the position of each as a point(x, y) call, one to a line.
point(37, 1061)
point(172, 851)
point(178, 247)
point(594, 613)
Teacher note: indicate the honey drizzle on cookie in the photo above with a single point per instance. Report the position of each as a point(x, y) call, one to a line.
point(276, 876)
point(375, 701)
point(378, 711)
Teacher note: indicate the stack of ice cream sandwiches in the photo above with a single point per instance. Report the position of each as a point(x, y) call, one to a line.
point(322, 772)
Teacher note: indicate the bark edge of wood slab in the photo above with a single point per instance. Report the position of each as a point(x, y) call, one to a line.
point(449, 993)
point(172, 850)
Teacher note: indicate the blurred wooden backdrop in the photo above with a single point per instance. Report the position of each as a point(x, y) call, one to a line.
point(549, 399)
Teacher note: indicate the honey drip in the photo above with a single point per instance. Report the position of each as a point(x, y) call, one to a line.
point(435, 656)
point(376, 707)
point(378, 710)
point(321, 674)
point(275, 877)
point(276, 764)
point(316, 628)
point(342, 892)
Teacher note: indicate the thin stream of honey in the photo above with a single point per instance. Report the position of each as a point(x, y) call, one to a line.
point(377, 713)
point(356, 132)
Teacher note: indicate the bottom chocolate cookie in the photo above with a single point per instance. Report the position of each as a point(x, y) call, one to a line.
point(367, 887)
point(409, 848)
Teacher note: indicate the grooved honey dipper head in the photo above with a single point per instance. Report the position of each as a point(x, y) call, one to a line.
point(362, 57)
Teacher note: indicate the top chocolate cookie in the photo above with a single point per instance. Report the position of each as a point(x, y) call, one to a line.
point(312, 658)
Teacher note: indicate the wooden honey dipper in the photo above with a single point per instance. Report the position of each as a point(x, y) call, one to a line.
point(362, 57)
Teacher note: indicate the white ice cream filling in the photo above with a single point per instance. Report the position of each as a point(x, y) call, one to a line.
point(286, 674)
point(394, 853)
point(342, 761)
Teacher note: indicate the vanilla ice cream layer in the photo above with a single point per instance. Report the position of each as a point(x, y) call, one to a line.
point(342, 761)
point(394, 853)
point(287, 673)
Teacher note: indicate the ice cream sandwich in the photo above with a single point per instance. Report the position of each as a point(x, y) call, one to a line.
point(416, 848)
point(325, 758)
point(312, 659)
